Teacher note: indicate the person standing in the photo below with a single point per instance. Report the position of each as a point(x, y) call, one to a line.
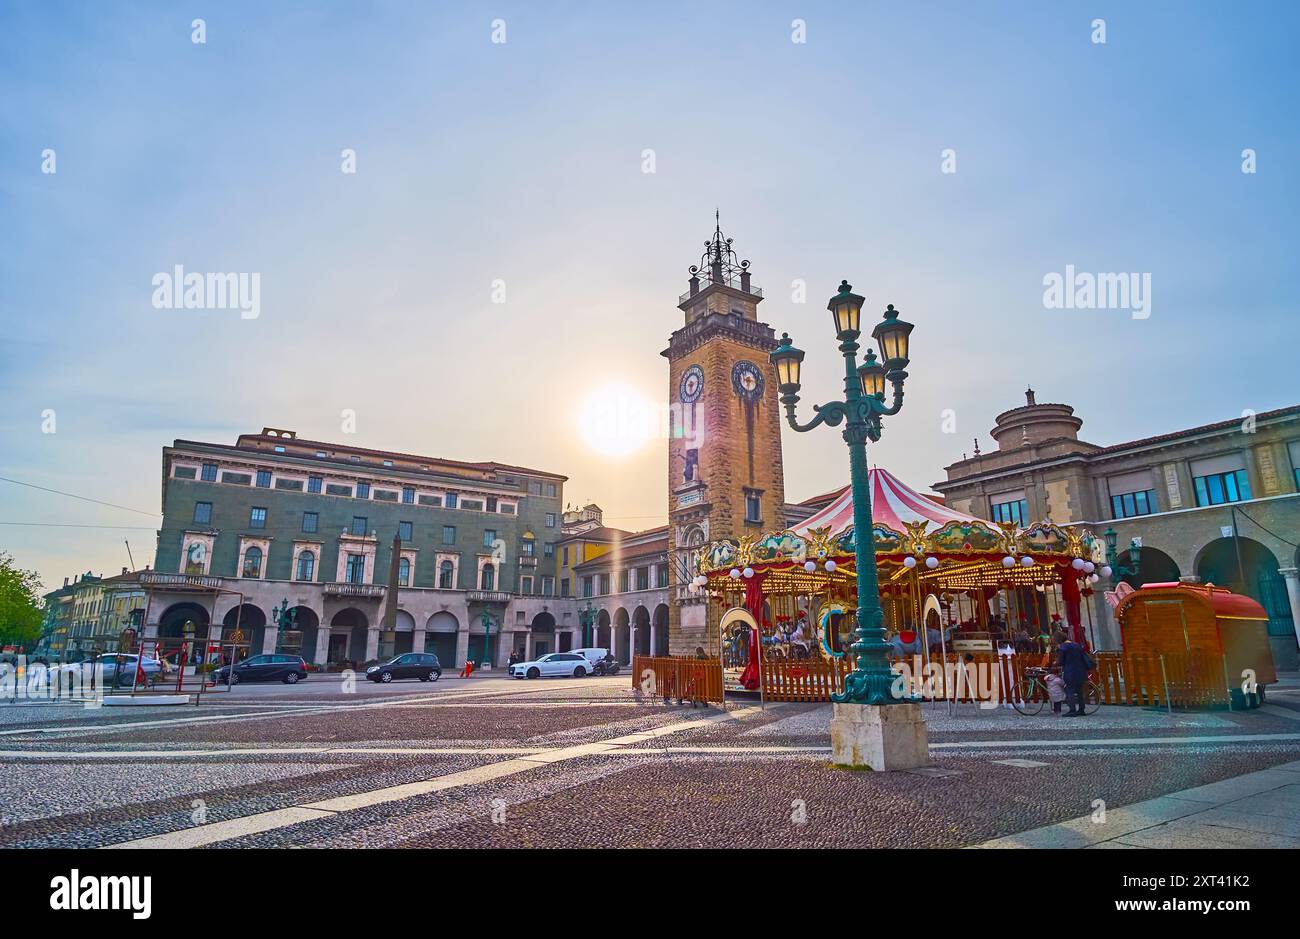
point(1075, 664)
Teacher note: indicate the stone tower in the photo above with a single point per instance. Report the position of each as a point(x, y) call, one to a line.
point(725, 477)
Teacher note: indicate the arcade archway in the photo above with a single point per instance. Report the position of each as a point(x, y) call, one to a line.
point(1245, 566)
point(348, 631)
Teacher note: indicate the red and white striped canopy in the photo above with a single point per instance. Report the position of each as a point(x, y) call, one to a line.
point(892, 504)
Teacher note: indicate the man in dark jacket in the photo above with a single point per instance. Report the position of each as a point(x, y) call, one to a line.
point(1074, 671)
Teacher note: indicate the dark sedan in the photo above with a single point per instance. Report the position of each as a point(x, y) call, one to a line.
point(422, 665)
point(289, 669)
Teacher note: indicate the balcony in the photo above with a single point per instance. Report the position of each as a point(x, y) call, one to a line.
point(487, 596)
point(526, 561)
point(363, 591)
point(733, 282)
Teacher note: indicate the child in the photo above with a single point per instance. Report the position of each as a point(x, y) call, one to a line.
point(1055, 691)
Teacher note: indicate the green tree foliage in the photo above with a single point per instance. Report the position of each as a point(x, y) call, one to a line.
point(20, 604)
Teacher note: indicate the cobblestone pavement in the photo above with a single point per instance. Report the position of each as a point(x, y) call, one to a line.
point(565, 763)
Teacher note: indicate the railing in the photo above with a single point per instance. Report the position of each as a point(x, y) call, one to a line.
point(487, 596)
point(155, 579)
point(340, 589)
point(733, 282)
point(678, 678)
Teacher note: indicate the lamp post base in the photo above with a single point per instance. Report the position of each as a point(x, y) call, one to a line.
point(882, 737)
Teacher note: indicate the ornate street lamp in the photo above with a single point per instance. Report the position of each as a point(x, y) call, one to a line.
point(487, 639)
point(1115, 570)
point(587, 618)
point(860, 411)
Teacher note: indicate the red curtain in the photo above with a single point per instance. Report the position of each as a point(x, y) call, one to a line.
point(749, 678)
point(1070, 593)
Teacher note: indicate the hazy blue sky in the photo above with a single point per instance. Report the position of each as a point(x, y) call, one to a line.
point(522, 162)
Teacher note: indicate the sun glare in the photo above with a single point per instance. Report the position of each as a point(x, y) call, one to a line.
point(617, 421)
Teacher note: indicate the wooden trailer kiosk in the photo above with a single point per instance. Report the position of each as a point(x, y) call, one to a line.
point(1196, 621)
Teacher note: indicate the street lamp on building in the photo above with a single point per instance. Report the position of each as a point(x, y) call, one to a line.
point(1115, 570)
point(587, 618)
point(860, 411)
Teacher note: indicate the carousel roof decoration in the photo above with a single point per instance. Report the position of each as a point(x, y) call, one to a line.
point(913, 536)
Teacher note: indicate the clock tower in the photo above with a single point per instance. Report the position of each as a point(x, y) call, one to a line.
point(725, 478)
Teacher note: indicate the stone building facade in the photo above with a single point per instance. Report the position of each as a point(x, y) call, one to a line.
point(1217, 503)
point(274, 521)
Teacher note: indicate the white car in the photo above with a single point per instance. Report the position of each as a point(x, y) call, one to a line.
point(566, 664)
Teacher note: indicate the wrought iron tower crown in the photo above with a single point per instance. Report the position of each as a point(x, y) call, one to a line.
point(719, 264)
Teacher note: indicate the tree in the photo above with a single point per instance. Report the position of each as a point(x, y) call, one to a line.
point(20, 604)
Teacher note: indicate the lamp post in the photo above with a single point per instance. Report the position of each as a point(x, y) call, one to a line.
point(860, 411)
point(487, 638)
point(1115, 570)
point(587, 618)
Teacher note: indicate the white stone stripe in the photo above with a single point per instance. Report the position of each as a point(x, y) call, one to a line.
point(283, 818)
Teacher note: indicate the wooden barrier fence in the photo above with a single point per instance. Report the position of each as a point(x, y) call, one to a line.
point(678, 678)
point(1196, 680)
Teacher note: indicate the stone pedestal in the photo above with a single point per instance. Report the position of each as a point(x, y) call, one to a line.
point(883, 737)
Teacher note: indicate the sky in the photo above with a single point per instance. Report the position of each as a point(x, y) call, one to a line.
point(502, 255)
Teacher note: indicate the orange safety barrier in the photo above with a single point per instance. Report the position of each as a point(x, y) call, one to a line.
point(678, 678)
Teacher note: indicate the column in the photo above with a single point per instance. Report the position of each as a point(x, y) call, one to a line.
point(1292, 577)
point(322, 643)
point(462, 648)
point(613, 639)
point(652, 637)
point(417, 640)
point(270, 637)
point(372, 643)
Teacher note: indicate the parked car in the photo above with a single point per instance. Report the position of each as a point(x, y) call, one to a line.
point(557, 663)
point(289, 669)
point(422, 665)
point(121, 669)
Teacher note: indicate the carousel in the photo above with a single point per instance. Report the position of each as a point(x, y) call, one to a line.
point(950, 584)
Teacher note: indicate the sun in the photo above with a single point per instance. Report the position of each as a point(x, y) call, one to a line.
point(616, 421)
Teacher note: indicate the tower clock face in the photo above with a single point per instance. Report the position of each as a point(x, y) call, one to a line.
point(747, 380)
point(692, 385)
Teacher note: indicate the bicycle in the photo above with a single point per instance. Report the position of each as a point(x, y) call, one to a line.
point(1032, 694)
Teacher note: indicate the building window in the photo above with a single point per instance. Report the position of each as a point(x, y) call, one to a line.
point(602, 584)
point(489, 537)
point(359, 524)
point(1128, 504)
point(363, 490)
point(202, 512)
point(550, 519)
point(622, 582)
point(528, 548)
point(551, 490)
point(310, 522)
point(278, 448)
point(548, 549)
point(548, 586)
point(526, 586)
point(450, 501)
point(643, 578)
point(408, 495)
point(257, 517)
point(534, 487)
point(209, 472)
point(565, 556)
point(306, 566)
point(753, 507)
point(564, 586)
point(586, 587)
point(446, 575)
point(492, 503)
point(404, 572)
point(448, 534)
point(404, 531)
point(663, 575)
point(487, 579)
point(263, 479)
point(356, 570)
point(1016, 511)
point(1219, 488)
point(252, 563)
point(314, 483)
